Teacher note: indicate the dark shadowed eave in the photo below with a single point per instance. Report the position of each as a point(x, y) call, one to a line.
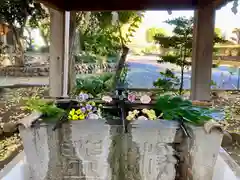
point(113, 5)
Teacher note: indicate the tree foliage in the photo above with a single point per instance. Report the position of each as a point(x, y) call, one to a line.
point(181, 43)
point(152, 32)
point(99, 36)
point(167, 81)
point(43, 24)
point(16, 13)
point(218, 32)
point(236, 38)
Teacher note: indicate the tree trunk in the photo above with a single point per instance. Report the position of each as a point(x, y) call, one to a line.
point(182, 69)
point(30, 39)
point(181, 84)
point(19, 57)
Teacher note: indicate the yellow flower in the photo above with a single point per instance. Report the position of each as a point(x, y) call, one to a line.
point(135, 111)
point(81, 117)
point(78, 112)
point(130, 113)
point(129, 118)
point(69, 117)
point(74, 117)
point(145, 111)
point(152, 111)
point(151, 117)
point(72, 112)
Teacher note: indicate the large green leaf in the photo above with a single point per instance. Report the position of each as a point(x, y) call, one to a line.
point(176, 108)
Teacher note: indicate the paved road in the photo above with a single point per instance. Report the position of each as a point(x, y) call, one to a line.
point(9, 81)
point(142, 75)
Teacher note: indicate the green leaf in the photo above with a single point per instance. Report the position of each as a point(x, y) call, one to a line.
point(174, 108)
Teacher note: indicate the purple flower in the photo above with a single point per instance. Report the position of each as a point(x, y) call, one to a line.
point(83, 109)
point(94, 109)
point(88, 107)
point(85, 96)
point(82, 97)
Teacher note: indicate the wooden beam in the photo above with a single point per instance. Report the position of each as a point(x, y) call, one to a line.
point(110, 5)
point(74, 47)
point(66, 54)
point(56, 53)
point(202, 53)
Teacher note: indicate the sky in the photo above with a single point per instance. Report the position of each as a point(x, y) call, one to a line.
point(225, 19)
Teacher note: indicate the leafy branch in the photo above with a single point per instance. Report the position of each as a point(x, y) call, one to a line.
point(180, 43)
point(49, 109)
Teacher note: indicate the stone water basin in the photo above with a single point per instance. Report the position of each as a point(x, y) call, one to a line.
point(100, 149)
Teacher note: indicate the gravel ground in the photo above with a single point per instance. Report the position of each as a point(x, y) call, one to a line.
point(11, 111)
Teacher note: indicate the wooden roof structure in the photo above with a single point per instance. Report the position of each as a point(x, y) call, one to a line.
point(118, 5)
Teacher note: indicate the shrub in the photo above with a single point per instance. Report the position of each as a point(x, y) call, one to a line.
point(95, 84)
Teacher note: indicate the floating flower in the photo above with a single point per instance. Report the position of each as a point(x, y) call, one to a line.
point(75, 117)
point(78, 112)
point(93, 116)
point(145, 111)
point(81, 117)
point(135, 111)
point(72, 112)
point(130, 112)
point(83, 109)
point(94, 109)
point(145, 99)
point(147, 115)
point(82, 97)
point(131, 97)
point(107, 99)
point(86, 96)
point(142, 118)
point(152, 111)
point(88, 107)
point(130, 117)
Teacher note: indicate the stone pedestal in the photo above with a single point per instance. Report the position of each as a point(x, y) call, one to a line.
point(92, 149)
point(204, 149)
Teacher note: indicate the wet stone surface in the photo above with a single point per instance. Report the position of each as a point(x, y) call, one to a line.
point(92, 149)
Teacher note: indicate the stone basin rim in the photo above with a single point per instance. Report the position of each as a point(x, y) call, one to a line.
point(28, 122)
